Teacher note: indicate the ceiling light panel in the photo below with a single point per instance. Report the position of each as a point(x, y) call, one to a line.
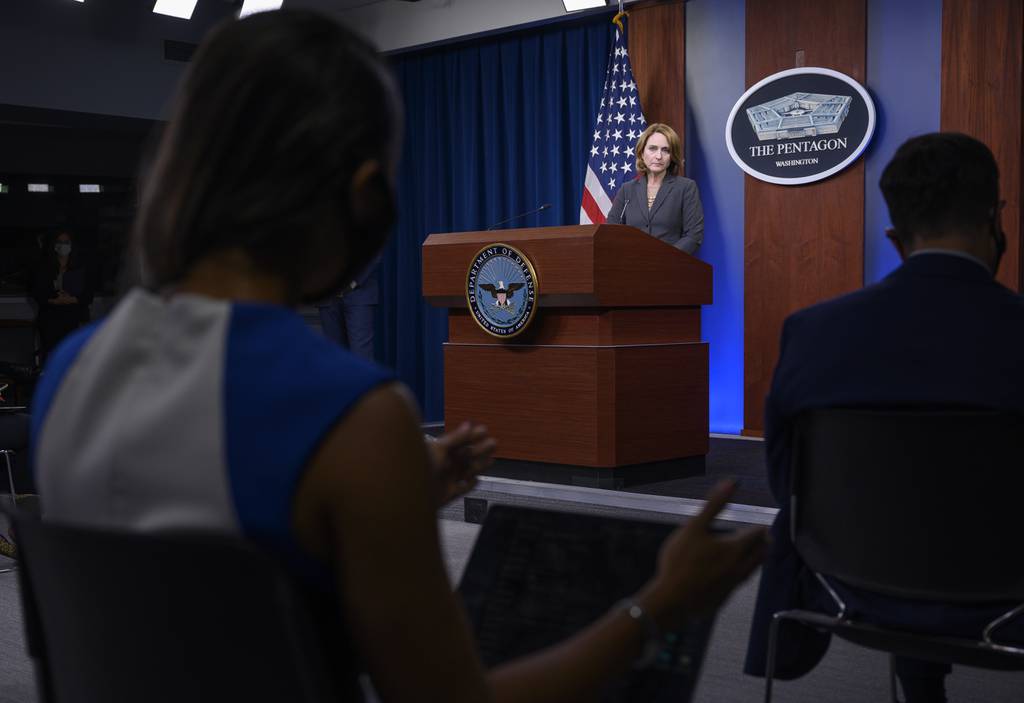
point(175, 8)
point(574, 5)
point(250, 7)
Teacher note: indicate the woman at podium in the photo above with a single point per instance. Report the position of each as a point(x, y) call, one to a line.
point(660, 201)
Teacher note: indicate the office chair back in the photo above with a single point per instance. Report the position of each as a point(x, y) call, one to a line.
point(14, 438)
point(114, 617)
point(912, 503)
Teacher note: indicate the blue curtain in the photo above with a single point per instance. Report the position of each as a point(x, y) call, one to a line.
point(493, 128)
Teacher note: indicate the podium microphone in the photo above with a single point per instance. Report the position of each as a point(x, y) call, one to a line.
point(543, 207)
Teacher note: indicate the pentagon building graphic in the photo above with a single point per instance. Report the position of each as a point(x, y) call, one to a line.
point(799, 115)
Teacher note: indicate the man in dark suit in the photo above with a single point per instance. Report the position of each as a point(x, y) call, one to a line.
point(938, 330)
point(349, 317)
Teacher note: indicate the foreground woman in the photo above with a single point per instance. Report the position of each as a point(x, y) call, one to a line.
point(205, 401)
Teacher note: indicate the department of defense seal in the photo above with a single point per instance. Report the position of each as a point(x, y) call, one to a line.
point(501, 290)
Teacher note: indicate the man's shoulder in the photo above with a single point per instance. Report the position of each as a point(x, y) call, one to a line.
point(841, 308)
point(902, 295)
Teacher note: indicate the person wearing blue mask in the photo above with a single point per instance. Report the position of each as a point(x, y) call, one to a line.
point(63, 290)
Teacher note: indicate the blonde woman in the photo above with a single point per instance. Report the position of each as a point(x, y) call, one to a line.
point(660, 201)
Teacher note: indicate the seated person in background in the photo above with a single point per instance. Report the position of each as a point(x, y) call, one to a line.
point(938, 330)
point(63, 290)
point(204, 401)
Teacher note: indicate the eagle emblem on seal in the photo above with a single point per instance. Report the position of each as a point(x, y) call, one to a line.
point(501, 290)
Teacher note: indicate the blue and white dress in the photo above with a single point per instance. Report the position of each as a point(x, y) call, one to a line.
point(190, 412)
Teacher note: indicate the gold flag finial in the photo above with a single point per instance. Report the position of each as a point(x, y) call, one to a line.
point(617, 20)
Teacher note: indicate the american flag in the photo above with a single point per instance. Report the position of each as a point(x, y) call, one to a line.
point(620, 121)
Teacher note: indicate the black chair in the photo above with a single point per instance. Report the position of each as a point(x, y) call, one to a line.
point(921, 504)
point(14, 436)
point(14, 439)
point(115, 617)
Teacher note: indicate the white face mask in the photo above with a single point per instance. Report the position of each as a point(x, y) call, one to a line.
point(62, 248)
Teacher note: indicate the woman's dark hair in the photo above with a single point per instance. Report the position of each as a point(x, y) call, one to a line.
point(276, 114)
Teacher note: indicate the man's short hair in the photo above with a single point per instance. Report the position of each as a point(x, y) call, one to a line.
point(940, 183)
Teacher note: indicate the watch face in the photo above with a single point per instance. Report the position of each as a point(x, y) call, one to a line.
point(654, 642)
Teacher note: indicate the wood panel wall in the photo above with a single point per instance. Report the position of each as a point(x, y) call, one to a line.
point(804, 244)
point(981, 95)
point(657, 51)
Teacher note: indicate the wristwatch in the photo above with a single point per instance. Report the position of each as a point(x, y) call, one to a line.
point(654, 640)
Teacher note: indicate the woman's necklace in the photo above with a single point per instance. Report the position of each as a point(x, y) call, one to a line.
point(652, 194)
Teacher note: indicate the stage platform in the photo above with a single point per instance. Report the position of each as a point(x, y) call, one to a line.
point(665, 491)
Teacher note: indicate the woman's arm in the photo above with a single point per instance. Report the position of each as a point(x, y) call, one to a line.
point(368, 504)
point(693, 220)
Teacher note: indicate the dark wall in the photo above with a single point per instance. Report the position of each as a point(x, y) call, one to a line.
point(83, 87)
point(100, 56)
point(38, 141)
point(982, 91)
point(100, 223)
point(64, 149)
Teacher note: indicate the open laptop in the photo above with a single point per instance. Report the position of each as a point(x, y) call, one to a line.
point(535, 577)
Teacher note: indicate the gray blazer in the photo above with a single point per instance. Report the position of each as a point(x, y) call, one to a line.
point(676, 218)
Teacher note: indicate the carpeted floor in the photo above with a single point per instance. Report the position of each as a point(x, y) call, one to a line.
point(17, 680)
point(741, 459)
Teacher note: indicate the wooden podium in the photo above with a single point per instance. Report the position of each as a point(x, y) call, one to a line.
point(611, 372)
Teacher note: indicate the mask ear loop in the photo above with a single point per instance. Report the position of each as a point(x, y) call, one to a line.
point(367, 224)
point(895, 237)
point(384, 206)
point(371, 225)
point(996, 230)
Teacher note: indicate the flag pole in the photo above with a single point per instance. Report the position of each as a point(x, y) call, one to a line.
point(619, 121)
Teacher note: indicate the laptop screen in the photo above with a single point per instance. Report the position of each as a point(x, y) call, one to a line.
point(536, 577)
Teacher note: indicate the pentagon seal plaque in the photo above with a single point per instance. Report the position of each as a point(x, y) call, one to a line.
point(800, 126)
